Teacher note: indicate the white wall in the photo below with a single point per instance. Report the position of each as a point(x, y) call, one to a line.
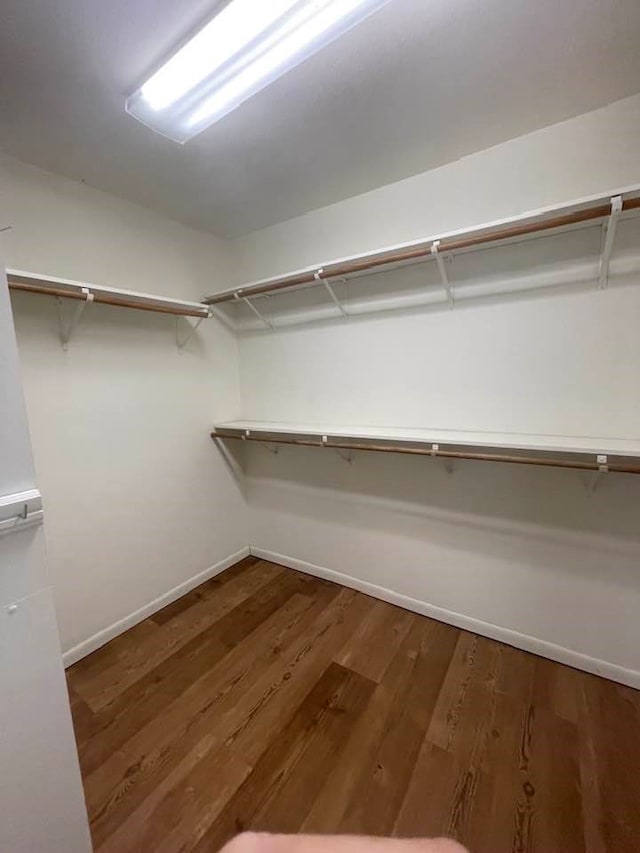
point(587, 155)
point(137, 501)
point(530, 553)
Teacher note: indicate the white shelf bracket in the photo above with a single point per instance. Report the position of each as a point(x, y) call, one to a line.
point(259, 315)
point(181, 343)
point(448, 463)
point(610, 234)
point(448, 286)
point(347, 455)
point(67, 329)
point(318, 277)
point(20, 511)
point(272, 448)
point(603, 468)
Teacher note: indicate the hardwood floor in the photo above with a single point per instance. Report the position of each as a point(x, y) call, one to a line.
point(267, 699)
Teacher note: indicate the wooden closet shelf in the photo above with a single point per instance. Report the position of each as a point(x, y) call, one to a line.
point(605, 209)
point(588, 454)
point(66, 289)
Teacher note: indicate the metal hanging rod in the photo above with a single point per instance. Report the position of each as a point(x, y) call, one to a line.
point(65, 289)
point(422, 250)
point(583, 461)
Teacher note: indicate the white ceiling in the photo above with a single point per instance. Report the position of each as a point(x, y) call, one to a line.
point(418, 84)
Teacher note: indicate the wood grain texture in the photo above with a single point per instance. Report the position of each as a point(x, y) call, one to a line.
point(268, 699)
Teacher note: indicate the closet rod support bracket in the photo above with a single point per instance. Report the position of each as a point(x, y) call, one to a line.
point(239, 297)
point(448, 286)
point(603, 468)
point(347, 455)
point(610, 234)
point(181, 343)
point(448, 463)
point(318, 277)
point(67, 329)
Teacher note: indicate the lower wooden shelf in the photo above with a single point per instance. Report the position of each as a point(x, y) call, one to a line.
point(589, 454)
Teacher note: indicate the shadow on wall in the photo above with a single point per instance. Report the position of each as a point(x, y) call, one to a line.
point(513, 512)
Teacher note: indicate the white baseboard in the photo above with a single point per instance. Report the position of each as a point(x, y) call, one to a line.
point(87, 646)
point(534, 645)
point(468, 623)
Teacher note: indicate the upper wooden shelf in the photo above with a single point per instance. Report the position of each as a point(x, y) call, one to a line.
point(584, 213)
point(29, 282)
point(587, 453)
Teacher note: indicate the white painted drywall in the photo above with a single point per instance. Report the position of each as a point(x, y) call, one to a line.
point(590, 154)
point(136, 499)
point(530, 551)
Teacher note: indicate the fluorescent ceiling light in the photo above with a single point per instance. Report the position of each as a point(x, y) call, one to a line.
point(248, 45)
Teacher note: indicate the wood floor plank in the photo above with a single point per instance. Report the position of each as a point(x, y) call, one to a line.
point(516, 671)
point(491, 823)
point(95, 667)
point(178, 813)
point(213, 586)
point(548, 811)
point(589, 776)
point(230, 696)
point(426, 810)
point(130, 831)
point(343, 776)
point(461, 715)
point(270, 699)
point(150, 651)
point(259, 711)
point(461, 725)
point(375, 642)
point(558, 689)
point(84, 720)
point(323, 718)
point(124, 781)
point(245, 689)
point(381, 787)
point(198, 709)
point(613, 729)
point(138, 705)
point(287, 806)
point(246, 721)
point(561, 825)
point(135, 646)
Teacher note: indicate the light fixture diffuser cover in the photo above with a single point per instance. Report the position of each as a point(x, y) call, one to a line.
point(243, 49)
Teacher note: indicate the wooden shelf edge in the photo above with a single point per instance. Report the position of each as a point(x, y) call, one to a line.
point(551, 458)
point(549, 220)
point(66, 289)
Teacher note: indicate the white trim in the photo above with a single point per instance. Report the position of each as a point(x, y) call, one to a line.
point(20, 510)
point(85, 648)
point(536, 646)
